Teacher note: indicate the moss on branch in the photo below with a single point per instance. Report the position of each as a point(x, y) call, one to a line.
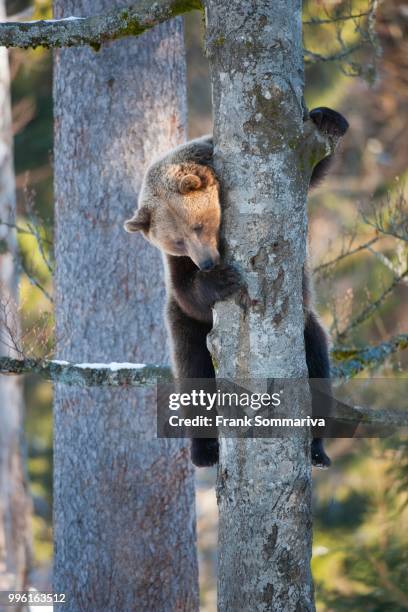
point(349, 362)
point(88, 375)
point(95, 30)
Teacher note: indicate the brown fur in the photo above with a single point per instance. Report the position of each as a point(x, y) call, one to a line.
point(180, 213)
point(179, 210)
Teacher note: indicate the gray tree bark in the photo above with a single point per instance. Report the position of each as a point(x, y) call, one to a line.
point(14, 500)
point(123, 501)
point(263, 159)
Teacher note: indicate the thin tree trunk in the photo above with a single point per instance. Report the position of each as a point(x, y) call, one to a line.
point(123, 501)
point(264, 485)
point(14, 500)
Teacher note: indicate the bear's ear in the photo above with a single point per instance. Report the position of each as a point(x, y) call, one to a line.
point(193, 177)
point(139, 222)
point(189, 182)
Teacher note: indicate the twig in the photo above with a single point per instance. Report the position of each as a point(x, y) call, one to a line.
point(21, 230)
point(370, 309)
point(330, 20)
point(336, 260)
point(33, 227)
point(391, 217)
point(9, 329)
point(384, 260)
point(34, 281)
point(311, 56)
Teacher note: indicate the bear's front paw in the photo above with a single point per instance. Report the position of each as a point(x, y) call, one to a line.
point(221, 282)
point(204, 451)
point(329, 121)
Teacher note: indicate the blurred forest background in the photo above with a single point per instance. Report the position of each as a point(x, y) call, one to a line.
point(360, 559)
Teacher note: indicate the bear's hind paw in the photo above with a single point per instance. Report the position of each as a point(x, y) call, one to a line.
point(204, 452)
point(320, 460)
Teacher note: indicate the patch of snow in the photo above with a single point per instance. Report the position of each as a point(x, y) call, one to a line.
point(59, 362)
point(54, 20)
point(114, 367)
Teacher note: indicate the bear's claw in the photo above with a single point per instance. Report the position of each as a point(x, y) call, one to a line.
point(222, 281)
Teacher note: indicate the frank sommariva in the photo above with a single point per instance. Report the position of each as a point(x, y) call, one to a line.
point(246, 421)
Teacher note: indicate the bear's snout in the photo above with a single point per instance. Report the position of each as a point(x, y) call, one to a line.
point(207, 264)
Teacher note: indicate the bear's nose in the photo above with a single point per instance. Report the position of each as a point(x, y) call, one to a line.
point(207, 264)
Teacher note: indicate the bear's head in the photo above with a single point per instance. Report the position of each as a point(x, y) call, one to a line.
point(179, 211)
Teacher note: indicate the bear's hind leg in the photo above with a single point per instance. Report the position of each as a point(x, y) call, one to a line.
point(192, 360)
point(318, 365)
point(204, 451)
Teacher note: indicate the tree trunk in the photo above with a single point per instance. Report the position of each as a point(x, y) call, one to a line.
point(123, 501)
point(264, 485)
point(14, 500)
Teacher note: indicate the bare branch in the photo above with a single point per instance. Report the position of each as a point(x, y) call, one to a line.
point(344, 254)
point(21, 230)
point(9, 326)
point(34, 228)
point(330, 20)
point(311, 56)
point(140, 375)
point(95, 30)
point(364, 22)
point(350, 361)
point(371, 308)
point(390, 218)
point(384, 260)
point(34, 280)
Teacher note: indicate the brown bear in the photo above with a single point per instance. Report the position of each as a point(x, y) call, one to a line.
point(179, 212)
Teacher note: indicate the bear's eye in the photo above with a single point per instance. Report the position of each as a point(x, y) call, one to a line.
point(198, 228)
point(179, 243)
